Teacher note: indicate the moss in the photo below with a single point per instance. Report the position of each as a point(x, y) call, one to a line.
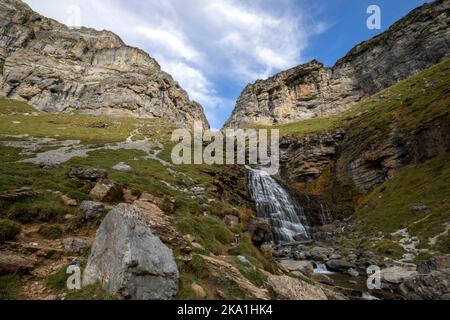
point(389, 249)
point(9, 286)
point(50, 232)
point(253, 274)
point(8, 230)
point(209, 231)
point(197, 266)
point(92, 292)
point(58, 279)
point(9, 106)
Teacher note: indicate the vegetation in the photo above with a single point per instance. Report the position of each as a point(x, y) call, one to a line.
point(9, 286)
point(50, 232)
point(8, 230)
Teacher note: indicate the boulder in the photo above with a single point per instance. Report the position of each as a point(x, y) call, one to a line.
point(231, 221)
point(75, 245)
point(396, 275)
point(339, 265)
point(289, 288)
point(259, 229)
point(122, 166)
point(352, 272)
point(321, 253)
point(438, 263)
point(92, 209)
point(11, 262)
point(147, 197)
point(129, 196)
point(19, 194)
point(129, 260)
point(305, 267)
point(431, 286)
point(106, 191)
point(198, 290)
point(90, 174)
point(322, 278)
point(68, 201)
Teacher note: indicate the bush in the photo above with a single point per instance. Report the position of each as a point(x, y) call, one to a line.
point(58, 279)
point(50, 232)
point(9, 286)
point(198, 267)
point(8, 230)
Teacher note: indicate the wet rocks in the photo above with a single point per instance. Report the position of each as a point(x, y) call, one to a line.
point(92, 209)
point(129, 260)
point(339, 265)
point(106, 191)
point(90, 174)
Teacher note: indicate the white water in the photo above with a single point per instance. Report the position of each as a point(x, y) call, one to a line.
point(321, 268)
point(368, 296)
point(286, 216)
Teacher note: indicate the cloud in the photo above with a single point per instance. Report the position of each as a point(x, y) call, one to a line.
point(212, 48)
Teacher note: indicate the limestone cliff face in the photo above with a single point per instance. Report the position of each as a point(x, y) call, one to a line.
point(416, 42)
point(61, 69)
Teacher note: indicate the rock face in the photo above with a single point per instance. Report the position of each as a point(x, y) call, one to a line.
point(128, 260)
point(59, 69)
point(311, 90)
point(289, 288)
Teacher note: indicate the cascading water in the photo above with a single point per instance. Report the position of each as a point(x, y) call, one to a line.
point(286, 216)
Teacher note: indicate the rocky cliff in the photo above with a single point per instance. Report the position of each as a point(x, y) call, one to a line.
point(416, 42)
point(61, 69)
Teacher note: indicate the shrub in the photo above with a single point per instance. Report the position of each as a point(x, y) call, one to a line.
point(9, 286)
point(8, 230)
point(50, 232)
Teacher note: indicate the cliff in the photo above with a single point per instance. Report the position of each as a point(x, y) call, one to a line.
point(60, 69)
point(414, 43)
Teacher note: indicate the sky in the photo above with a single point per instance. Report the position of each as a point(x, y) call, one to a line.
point(214, 48)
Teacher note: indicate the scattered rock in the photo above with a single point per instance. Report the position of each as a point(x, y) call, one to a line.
point(68, 201)
point(322, 278)
point(90, 174)
point(122, 166)
point(106, 191)
point(321, 254)
point(231, 221)
point(305, 267)
point(129, 196)
point(11, 262)
point(352, 272)
point(431, 286)
point(339, 265)
point(419, 208)
point(147, 197)
point(18, 194)
point(198, 290)
point(92, 209)
point(74, 245)
point(438, 263)
point(128, 260)
point(290, 288)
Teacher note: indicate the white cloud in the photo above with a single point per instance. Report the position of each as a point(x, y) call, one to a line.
point(203, 43)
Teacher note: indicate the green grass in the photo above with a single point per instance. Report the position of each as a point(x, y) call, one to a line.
point(9, 286)
point(58, 279)
point(389, 249)
point(197, 266)
point(92, 292)
point(8, 106)
point(50, 232)
point(8, 230)
point(388, 207)
point(253, 274)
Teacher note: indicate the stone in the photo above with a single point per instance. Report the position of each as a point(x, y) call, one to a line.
point(305, 267)
point(19, 194)
point(419, 208)
point(90, 174)
point(352, 272)
point(92, 209)
point(189, 238)
point(396, 274)
point(259, 228)
point(244, 261)
point(322, 278)
point(129, 196)
point(75, 245)
point(122, 166)
point(437, 263)
point(129, 260)
point(231, 221)
point(11, 262)
point(321, 254)
point(106, 191)
point(147, 197)
point(68, 201)
point(198, 290)
point(55, 68)
point(431, 286)
point(290, 288)
point(312, 90)
point(339, 265)
point(301, 237)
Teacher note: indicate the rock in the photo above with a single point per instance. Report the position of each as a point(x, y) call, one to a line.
point(437, 263)
point(128, 260)
point(245, 261)
point(259, 229)
point(352, 272)
point(339, 265)
point(396, 275)
point(68, 201)
point(321, 254)
point(92, 209)
point(147, 197)
point(19, 194)
point(322, 278)
point(198, 290)
point(301, 237)
point(217, 267)
point(312, 90)
point(60, 69)
point(419, 208)
point(289, 288)
point(106, 191)
point(231, 221)
point(11, 262)
point(90, 174)
point(74, 245)
point(122, 166)
point(189, 238)
point(305, 267)
point(129, 196)
point(431, 286)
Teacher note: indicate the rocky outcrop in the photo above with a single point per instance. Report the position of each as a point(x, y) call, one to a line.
point(128, 260)
point(311, 90)
point(59, 69)
point(289, 288)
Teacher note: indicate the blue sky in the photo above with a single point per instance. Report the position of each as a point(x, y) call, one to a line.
point(213, 48)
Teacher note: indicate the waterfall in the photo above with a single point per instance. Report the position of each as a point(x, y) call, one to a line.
point(321, 268)
point(273, 202)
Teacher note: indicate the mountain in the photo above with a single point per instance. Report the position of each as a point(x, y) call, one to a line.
point(414, 43)
point(60, 69)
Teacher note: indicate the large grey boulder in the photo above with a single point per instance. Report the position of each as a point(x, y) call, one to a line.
point(129, 261)
point(92, 209)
